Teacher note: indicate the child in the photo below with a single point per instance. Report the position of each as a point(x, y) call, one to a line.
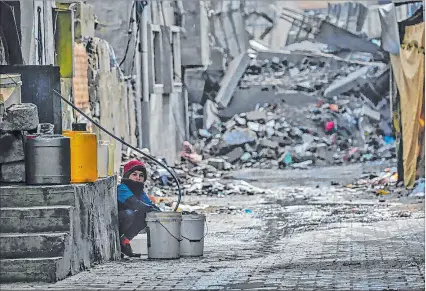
point(133, 205)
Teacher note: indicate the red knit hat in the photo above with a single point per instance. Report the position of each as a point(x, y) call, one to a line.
point(134, 165)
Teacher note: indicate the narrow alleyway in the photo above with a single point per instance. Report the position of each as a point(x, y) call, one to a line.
point(312, 237)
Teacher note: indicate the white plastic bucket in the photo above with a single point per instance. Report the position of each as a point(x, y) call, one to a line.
point(163, 232)
point(140, 244)
point(103, 157)
point(192, 233)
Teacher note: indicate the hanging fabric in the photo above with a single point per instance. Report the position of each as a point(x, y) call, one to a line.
point(409, 71)
point(390, 33)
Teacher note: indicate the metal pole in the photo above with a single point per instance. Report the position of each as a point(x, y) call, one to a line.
point(145, 77)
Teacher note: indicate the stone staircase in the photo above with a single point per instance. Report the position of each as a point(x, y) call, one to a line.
point(45, 234)
point(35, 234)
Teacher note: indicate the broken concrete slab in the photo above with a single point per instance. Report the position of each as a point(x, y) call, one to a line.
point(367, 111)
point(256, 115)
point(20, 117)
point(351, 81)
point(235, 155)
point(341, 38)
point(245, 100)
point(217, 163)
point(239, 137)
point(11, 147)
point(234, 72)
point(13, 172)
point(254, 126)
point(269, 143)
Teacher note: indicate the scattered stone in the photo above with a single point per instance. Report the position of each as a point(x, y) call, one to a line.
point(240, 120)
point(269, 143)
point(204, 133)
point(256, 115)
point(303, 165)
point(254, 126)
point(217, 163)
point(239, 137)
point(235, 155)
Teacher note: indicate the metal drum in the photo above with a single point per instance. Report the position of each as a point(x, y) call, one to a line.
point(47, 160)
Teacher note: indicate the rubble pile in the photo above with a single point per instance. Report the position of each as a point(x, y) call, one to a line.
point(297, 109)
point(332, 133)
point(195, 179)
point(308, 74)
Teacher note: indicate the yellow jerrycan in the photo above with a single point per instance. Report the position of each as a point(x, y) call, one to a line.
point(84, 156)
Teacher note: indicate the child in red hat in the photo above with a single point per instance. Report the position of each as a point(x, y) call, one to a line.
point(133, 204)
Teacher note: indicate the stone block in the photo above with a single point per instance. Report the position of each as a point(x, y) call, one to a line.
point(269, 143)
point(13, 172)
point(235, 155)
point(256, 115)
point(20, 117)
point(217, 163)
point(11, 147)
point(239, 137)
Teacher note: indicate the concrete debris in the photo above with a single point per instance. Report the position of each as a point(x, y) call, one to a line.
point(20, 117)
point(256, 115)
point(204, 178)
point(230, 81)
point(235, 155)
point(238, 136)
point(279, 136)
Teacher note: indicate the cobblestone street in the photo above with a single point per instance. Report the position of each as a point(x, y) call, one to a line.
point(295, 238)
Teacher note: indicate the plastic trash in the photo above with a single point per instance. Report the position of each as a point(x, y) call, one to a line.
point(248, 211)
point(419, 191)
point(388, 140)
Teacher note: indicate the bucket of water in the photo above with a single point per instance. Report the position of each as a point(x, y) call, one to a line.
point(163, 234)
point(192, 233)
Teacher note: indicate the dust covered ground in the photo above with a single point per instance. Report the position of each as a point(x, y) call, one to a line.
point(299, 236)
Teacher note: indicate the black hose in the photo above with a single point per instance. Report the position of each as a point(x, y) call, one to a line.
point(127, 144)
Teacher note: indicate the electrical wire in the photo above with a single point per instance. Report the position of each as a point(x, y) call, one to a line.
point(130, 34)
point(126, 144)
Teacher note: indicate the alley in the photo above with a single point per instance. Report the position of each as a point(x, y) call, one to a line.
point(313, 237)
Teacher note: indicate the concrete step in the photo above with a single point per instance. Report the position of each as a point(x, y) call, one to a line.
point(33, 245)
point(32, 270)
point(35, 219)
point(29, 196)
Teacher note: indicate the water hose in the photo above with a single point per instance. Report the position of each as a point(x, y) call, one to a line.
point(126, 144)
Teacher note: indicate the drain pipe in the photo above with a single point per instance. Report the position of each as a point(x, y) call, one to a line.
point(145, 76)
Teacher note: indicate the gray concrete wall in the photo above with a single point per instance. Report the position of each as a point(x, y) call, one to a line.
point(166, 111)
point(113, 17)
point(95, 224)
point(167, 126)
